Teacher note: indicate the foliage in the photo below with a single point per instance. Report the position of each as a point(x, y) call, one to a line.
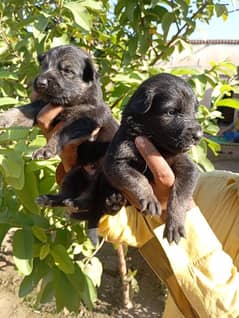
point(127, 39)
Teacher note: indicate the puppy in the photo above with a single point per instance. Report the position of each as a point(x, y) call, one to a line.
point(69, 78)
point(163, 110)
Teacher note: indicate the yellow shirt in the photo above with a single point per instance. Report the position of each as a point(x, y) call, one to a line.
point(200, 275)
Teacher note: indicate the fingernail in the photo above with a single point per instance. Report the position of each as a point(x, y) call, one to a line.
point(139, 141)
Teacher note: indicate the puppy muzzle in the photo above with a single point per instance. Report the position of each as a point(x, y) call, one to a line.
point(197, 134)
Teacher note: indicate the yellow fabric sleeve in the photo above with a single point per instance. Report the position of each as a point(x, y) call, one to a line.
point(128, 226)
point(201, 276)
point(217, 194)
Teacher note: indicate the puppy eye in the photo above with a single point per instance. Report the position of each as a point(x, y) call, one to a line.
point(172, 112)
point(67, 70)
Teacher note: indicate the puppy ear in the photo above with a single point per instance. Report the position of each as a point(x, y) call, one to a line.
point(141, 101)
point(41, 57)
point(89, 71)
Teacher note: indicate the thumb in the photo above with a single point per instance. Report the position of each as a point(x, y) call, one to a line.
point(163, 175)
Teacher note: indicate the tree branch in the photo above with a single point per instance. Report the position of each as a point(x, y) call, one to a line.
point(178, 33)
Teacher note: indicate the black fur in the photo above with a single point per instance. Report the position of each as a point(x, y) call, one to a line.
point(163, 110)
point(69, 78)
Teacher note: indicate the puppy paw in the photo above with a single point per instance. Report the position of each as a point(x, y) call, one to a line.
point(114, 203)
point(75, 205)
point(44, 201)
point(42, 153)
point(173, 231)
point(69, 203)
point(150, 206)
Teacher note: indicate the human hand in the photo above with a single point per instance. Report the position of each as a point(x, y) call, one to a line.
point(164, 177)
point(68, 155)
point(44, 121)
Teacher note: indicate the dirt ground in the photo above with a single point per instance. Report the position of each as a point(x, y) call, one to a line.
point(148, 301)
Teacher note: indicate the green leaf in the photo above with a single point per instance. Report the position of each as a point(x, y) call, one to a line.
point(145, 41)
point(132, 46)
point(62, 259)
point(184, 6)
point(44, 251)
point(39, 233)
point(66, 296)
point(38, 165)
point(63, 237)
point(24, 265)
point(224, 67)
point(40, 221)
point(23, 250)
point(220, 9)
point(8, 75)
point(14, 134)
point(39, 25)
point(47, 184)
point(130, 8)
point(38, 142)
point(3, 47)
point(8, 101)
point(130, 78)
point(60, 40)
point(12, 165)
point(93, 268)
point(214, 146)
point(83, 286)
point(199, 155)
point(166, 23)
point(80, 14)
point(179, 71)
point(211, 129)
point(228, 102)
point(3, 231)
point(92, 4)
point(29, 192)
point(31, 281)
point(46, 293)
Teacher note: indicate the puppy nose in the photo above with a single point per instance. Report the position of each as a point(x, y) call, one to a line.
point(42, 82)
point(197, 135)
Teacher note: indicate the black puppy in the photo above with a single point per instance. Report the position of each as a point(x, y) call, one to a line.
point(163, 110)
point(69, 78)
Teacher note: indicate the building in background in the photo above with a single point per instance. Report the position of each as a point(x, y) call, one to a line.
point(201, 52)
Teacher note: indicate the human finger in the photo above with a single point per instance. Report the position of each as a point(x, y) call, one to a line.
point(163, 174)
point(46, 116)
